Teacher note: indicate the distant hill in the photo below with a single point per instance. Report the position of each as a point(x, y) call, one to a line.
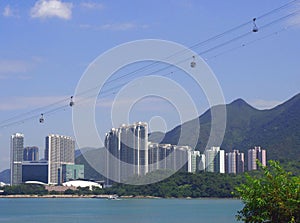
point(5, 176)
point(95, 159)
point(77, 152)
point(156, 136)
point(277, 129)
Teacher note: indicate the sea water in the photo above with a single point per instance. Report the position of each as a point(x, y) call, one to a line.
point(87, 210)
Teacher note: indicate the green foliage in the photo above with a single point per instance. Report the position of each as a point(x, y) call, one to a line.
point(25, 189)
point(276, 129)
point(291, 166)
point(97, 190)
point(183, 184)
point(272, 197)
point(84, 191)
point(69, 192)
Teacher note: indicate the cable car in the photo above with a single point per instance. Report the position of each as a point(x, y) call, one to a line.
point(255, 29)
point(42, 118)
point(71, 102)
point(193, 63)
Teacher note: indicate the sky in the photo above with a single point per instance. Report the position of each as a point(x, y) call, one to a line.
point(47, 45)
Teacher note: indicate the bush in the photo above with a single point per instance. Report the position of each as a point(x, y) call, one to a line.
point(273, 197)
point(69, 192)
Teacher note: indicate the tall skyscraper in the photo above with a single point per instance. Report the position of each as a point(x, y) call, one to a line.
point(215, 160)
point(31, 153)
point(256, 153)
point(201, 162)
point(234, 162)
point(59, 150)
point(153, 156)
point(166, 157)
point(112, 167)
point(128, 151)
point(157, 156)
point(171, 157)
point(16, 158)
point(195, 159)
point(182, 158)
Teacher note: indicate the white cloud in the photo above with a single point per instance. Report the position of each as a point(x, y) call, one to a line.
point(115, 26)
point(18, 69)
point(264, 104)
point(51, 8)
point(294, 19)
point(119, 26)
point(92, 5)
point(86, 26)
point(9, 12)
point(8, 67)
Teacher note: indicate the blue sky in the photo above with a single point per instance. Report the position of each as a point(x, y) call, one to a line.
point(46, 45)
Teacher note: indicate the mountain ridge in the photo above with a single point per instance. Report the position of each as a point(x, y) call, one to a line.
point(276, 129)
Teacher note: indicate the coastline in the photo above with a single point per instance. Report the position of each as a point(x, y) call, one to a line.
point(104, 196)
point(54, 196)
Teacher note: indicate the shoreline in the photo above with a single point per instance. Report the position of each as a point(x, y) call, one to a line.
point(55, 196)
point(105, 196)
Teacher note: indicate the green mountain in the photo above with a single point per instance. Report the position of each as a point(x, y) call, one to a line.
point(92, 159)
point(277, 130)
point(5, 176)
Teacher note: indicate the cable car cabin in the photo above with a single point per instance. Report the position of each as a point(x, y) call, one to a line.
point(71, 102)
point(254, 29)
point(42, 118)
point(193, 63)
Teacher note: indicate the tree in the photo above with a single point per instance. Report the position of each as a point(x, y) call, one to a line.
point(69, 192)
point(272, 197)
point(25, 189)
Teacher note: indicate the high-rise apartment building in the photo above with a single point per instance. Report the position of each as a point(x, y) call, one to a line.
point(171, 157)
point(128, 151)
point(195, 159)
point(59, 150)
point(201, 162)
point(16, 158)
point(235, 162)
point(182, 158)
point(153, 149)
point(256, 153)
point(31, 153)
point(160, 156)
point(215, 160)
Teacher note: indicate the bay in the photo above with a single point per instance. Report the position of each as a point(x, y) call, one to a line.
point(124, 210)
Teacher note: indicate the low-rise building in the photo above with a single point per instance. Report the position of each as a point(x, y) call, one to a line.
point(35, 171)
point(72, 172)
